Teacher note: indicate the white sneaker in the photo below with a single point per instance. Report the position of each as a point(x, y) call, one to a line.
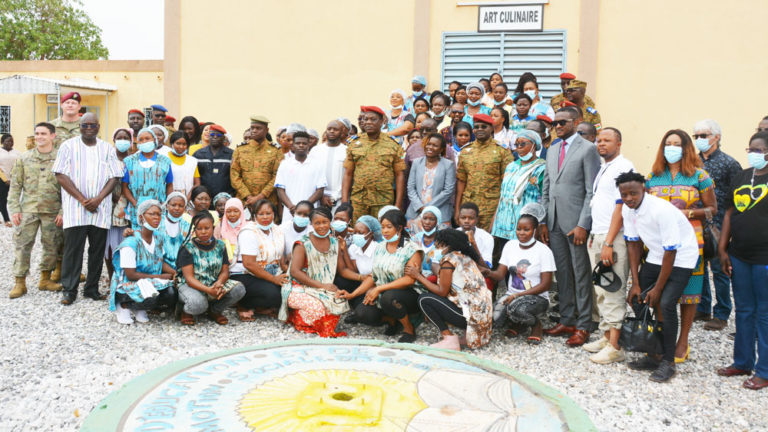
point(607, 355)
point(141, 316)
point(123, 315)
point(596, 346)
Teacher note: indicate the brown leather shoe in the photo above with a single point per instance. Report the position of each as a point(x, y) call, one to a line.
point(579, 338)
point(560, 330)
point(732, 371)
point(715, 324)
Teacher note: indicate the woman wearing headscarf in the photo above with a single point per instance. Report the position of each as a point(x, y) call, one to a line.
point(359, 258)
point(430, 221)
point(162, 137)
point(233, 221)
point(475, 93)
point(142, 280)
point(123, 139)
point(148, 175)
point(173, 228)
point(522, 184)
point(399, 120)
point(219, 202)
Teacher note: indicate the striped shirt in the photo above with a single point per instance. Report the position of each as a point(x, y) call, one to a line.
point(89, 168)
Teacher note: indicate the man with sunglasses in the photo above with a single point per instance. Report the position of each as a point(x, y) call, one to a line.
point(572, 164)
point(575, 93)
point(214, 163)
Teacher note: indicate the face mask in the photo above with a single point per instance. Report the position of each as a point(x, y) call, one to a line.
point(673, 154)
point(323, 236)
point(147, 147)
point(359, 240)
point(122, 145)
point(233, 224)
point(173, 218)
point(475, 103)
point(339, 226)
point(418, 93)
point(757, 160)
point(438, 256)
point(178, 154)
point(149, 227)
point(531, 94)
point(702, 144)
point(396, 107)
point(527, 157)
point(301, 221)
point(529, 242)
point(430, 232)
point(394, 238)
point(264, 227)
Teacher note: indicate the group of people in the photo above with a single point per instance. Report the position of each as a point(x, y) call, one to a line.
point(417, 212)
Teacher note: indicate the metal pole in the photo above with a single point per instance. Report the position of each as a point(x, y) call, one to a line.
point(58, 101)
point(106, 114)
point(34, 110)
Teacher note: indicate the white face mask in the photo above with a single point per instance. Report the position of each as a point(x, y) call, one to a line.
point(529, 242)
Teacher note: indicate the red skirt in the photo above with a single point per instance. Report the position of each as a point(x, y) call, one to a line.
point(325, 326)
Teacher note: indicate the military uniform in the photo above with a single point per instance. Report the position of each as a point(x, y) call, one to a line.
point(35, 194)
point(591, 115)
point(481, 167)
point(254, 167)
point(559, 99)
point(65, 130)
point(375, 165)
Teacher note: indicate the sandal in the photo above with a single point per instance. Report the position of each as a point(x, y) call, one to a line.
point(511, 332)
point(187, 319)
point(218, 318)
point(534, 340)
point(754, 385)
point(245, 315)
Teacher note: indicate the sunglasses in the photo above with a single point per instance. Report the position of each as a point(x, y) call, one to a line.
point(215, 134)
point(697, 136)
point(561, 122)
point(89, 125)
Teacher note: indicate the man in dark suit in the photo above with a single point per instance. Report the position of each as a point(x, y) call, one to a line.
point(572, 164)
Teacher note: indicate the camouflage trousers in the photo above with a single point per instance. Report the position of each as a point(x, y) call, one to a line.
point(361, 207)
point(51, 236)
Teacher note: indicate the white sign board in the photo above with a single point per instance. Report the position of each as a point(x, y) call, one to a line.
point(51, 99)
point(510, 18)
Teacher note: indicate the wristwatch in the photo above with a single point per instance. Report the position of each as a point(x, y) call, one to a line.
point(690, 214)
point(610, 245)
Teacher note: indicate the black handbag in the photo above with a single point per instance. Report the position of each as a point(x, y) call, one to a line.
point(642, 333)
point(711, 236)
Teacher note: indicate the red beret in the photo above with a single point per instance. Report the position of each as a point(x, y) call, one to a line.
point(170, 119)
point(482, 118)
point(566, 75)
point(71, 95)
point(218, 128)
point(543, 118)
point(568, 103)
point(372, 108)
point(135, 111)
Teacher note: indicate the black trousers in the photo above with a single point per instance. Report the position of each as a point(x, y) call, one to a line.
point(166, 299)
point(72, 261)
point(396, 303)
point(259, 293)
point(4, 188)
point(673, 290)
point(441, 311)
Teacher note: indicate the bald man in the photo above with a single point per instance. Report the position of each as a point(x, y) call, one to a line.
point(331, 154)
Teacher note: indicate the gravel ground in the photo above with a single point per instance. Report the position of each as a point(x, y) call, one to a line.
point(57, 363)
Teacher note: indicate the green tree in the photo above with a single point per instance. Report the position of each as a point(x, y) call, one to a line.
point(48, 30)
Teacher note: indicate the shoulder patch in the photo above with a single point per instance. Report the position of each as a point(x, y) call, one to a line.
point(591, 110)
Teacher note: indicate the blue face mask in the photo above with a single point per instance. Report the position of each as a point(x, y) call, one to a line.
point(149, 227)
point(527, 157)
point(475, 103)
point(339, 226)
point(178, 154)
point(265, 227)
point(122, 145)
point(301, 221)
point(673, 154)
point(233, 224)
point(430, 232)
point(757, 160)
point(702, 144)
point(418, 93)
point(359, 240)
point(438, 256)
point(173, 218)
point(531, 94)
point(147, 147)
point(394, 238)
point(323, 236)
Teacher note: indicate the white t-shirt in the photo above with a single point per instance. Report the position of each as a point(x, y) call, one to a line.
point(363, 258)
point(128, 255)
point(484, 242)
point(332, 161)
point(606, 194)
point(528, 264)
point(291, 235)
point(299, 180)
point(661, 226)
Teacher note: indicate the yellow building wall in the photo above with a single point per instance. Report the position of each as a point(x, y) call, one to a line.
point(665, 65)
point(292, 60)
point(135, 89)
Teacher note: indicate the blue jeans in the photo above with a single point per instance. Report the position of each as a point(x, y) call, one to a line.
point(723, 307)
point(750, 291)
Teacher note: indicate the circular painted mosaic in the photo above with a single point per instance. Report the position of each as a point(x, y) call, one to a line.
point(335, 386)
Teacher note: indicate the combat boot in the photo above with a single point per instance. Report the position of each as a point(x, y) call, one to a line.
point(56, 275)
point(46, 284)
point(19, 289)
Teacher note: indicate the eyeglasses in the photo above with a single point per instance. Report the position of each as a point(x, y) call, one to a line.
point(89, 125)
point(521, 145)
point(751, 150)
point(215, 134)
point(761, 129)
point(561, 122)
point(457, 112)
point(697, 136)
point(581, 133)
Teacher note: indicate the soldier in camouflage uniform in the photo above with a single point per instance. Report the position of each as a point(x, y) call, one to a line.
point(254, 165)
point(480, 171)
point(68, 125)
point(374, 164)
point(558, 101)
point(575, 92)
point(35, 201)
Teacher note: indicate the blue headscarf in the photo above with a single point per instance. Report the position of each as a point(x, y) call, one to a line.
point(531, 136)
point(435, 211)
point(147, 129)
point(373, 225)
